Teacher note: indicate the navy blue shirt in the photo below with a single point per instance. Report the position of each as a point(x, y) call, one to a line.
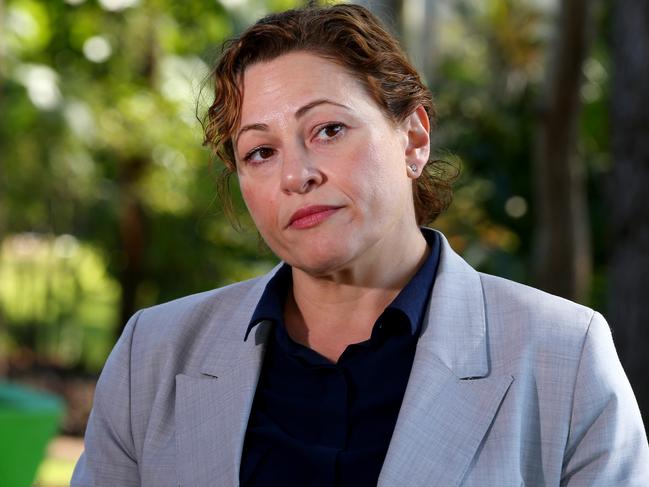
point(316, 423)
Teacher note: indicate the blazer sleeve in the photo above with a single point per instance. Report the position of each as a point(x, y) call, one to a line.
point(607, 444)
point(109, 458)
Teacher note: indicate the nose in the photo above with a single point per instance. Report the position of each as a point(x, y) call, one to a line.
point(300, 174)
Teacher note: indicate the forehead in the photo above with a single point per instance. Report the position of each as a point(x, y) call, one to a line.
point(286, 83)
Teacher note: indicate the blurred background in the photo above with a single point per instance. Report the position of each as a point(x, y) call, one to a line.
point(108, 199)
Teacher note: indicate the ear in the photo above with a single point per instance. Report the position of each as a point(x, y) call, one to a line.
point(417, 127)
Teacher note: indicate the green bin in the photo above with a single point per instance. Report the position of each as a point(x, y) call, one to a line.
point(28, 420)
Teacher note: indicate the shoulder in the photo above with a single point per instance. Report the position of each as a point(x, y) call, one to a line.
point(526, 330)
point(511, 310)
point(198, 308)
point(519, 313)
point(173, 336)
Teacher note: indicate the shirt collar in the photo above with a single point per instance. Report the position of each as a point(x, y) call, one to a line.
point(411, 301)
point(413, 298)
point(271, 304)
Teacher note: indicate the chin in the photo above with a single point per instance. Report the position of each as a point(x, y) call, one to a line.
point(320, 262)
point(317, 268)
point(321, 251)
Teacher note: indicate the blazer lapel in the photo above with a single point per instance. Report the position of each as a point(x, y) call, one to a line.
point(451, 398)
point(213, 406)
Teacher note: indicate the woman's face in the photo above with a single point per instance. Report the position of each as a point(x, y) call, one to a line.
point(323, 172)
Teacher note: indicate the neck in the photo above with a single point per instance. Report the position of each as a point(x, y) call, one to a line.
point(329, 312)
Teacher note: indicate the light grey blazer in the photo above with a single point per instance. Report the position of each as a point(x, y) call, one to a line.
point(510, 386)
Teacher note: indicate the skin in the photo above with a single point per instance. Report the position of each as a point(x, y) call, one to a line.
point(310, 135)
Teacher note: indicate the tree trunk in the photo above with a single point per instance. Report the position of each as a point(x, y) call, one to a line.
point(629, 186)
point(420, 35)
point(132, 218)
point(3, 348)
point(132, 231)
point(390, 12)
point(562, 254)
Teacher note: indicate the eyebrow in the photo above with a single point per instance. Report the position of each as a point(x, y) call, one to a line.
point(298, 114)
point(302, 111)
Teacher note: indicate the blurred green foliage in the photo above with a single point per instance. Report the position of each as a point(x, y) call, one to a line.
point(99, 104)
point(58, 298)
point(98, 123)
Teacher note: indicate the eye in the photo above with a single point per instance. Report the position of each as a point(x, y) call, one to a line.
point(258, 155)
point(330, 131)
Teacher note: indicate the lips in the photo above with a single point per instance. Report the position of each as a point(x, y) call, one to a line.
point(310, 216)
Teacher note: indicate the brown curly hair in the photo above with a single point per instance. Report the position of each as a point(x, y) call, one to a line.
point(351, 36)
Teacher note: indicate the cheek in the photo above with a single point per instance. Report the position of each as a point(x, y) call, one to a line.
point(256, 202)
point(374, 173)
point(246, 192)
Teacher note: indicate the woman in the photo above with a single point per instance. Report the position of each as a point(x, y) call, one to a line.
point(374, 354)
